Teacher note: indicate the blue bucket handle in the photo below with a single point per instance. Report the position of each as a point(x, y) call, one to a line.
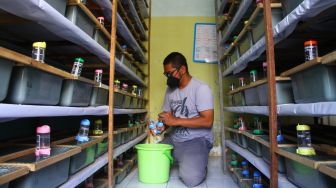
point(168, 155)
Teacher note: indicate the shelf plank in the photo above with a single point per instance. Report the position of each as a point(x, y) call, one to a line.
point(328, 169)
point(12, 174)
point(135, 16)
point(261, 110)
point(259, 163)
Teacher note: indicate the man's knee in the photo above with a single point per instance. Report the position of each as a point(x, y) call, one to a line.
point(192, 179)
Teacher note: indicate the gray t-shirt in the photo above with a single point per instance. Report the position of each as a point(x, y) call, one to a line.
point(187, 103)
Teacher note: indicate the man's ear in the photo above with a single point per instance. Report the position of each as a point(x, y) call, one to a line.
point(183, 70)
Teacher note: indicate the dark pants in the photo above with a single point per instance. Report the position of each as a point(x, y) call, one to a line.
point(192, 158)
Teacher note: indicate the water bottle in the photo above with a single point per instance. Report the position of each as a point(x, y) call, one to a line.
point(83, 134)
point(98, 127)
point(116, 85)
point(101, 20)
point(245, 170)
point(38, 52)
point(242, 126)
point(153, 128)
point(304, 140)
point(134, 91)
point(264, 65)
point(280, 137)
point(98, 77)
point(256, 177)
point(42, 141)
point(77, 67)
point(124, 87)
point(160, 126)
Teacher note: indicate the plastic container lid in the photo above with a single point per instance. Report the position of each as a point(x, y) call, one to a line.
point(246, 22)
point(100, 18)
point(264, 64)
point(160, 124)
point(253, 72)
point(124, 46)
point(257, 186)
point(117, 81)
point(241, 78)
point(99, 71)
point(256, 174)
point(302, 127)
point(307, 151)
point(135, 86)
point(280, 138)
point(85, 122)
point(235, 37)
point(245, 172)
point(310, 42)
point(40, 44)
point(99, 121)
point(79, 59)
point(152, 126)
point(234, 163)
point(43, 129)
point(244, 162)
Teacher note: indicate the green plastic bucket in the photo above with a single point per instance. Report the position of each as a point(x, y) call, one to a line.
point(154, 162)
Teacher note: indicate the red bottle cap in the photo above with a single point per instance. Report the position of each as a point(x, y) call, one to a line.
point(310, 42)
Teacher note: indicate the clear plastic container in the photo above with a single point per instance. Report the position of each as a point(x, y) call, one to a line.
point(264, 65)
point(101, 19)
point(253, 76)
point(98, 127)
point(42, 141)
point(241, 81)
point(116, 84)
point(257, 125)
point(83, 134)
point(257, 177)
point(134, 90)
point(310, 50)
point(304, 140)
point(241, 123)
point(139, 92)
point(77, 67)
point(38, 52)
point(98, 77)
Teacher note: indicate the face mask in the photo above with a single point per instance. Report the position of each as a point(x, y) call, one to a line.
point(173, 82)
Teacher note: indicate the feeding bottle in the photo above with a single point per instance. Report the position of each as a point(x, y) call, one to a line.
point(116, 84)
point(77, 67)
point(153, 128)
point(253, 76)
point(83, 133)
point(38, 52)
point(139, 93)
point(124, 87)
point(42, 141)
point(101, 20)
point(231, 87)
point(234, 162)
point(257, 126)
point(241, 123)
point(304, 140)
point(160, 126)
point(257, 183)
point(98, 77)
point(280, 137)
point(310, 49)
point(134, 90)
point(264, 69)
point(236, 124)
point(241, 82)
point(98, 127)
point(245, 170)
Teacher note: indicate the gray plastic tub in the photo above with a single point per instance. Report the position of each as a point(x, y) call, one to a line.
point(118, 99)
point(304, 176)
point(75, 93)
point(8, 170)
point(101, 148)
point(315, 84)
point(251, 96)
point(82, 159)
point(77, 16)
point(101, 39)
point(4, 185)
point(242, 140)
point(59, 5)
point(245, 43)
point(134, 102)
point(139, 105)
point(234, 54)
point(127, 102)
point(254, 147)
point(265, 151)
point(116, 140)
point(239, 99)
point(284, 93)
point(99, 96)
point(258, 28)
point(5, 74)
point(289, 5)
point(32, 86)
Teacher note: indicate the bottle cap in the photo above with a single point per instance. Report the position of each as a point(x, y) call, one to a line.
point(246, 22)
point(257, 186)
point(234, 163)
point(101, 18)
point(241, 78)
point(85, 122)
point(264, 64)
point(244, 162)
point(280, 138)
point(310, 42)
point(152, 126)
point(116, 81)
point(40, 44)
point(124, 46)
point(302, 127)
point(98, 121)
point(308, 151)
point(245, 172)
point(79, 59)
point(258, 132)
point(99, 71)
point(253, 72)
point(43, 129)
point(256, 174)
point(134, 86)
point(160, 124)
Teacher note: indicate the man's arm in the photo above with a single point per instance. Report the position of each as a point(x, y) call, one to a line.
point(205, 120)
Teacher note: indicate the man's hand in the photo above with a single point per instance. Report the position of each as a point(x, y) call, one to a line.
point(168, 119)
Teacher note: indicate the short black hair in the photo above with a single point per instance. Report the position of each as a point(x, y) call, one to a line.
point(176, 59)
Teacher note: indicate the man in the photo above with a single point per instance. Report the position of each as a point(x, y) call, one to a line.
point(189, 110)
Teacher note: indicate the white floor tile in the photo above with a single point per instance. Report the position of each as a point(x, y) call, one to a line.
point(135, 183)
point(220, 183)
point(177, 183)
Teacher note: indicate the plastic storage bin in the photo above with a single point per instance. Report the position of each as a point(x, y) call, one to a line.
point(6, 67)
point(9, 173)
point(101, 148)
point(258, 25)
point(82, 159)
point(239, 99)
point(75, 93)
point(127, 101)
point(289, 5)
point(284, 93)
point(234, 54)
point(121, 175)
point(251, 96)
point(101, 39)
point(77, 16)
point(32, 86)
point(315, 84)
point(99, 96)
point(304, 176)
point(134, 102)
point(116, 139)
point(245, 43)
point(118, 100)
point(59, 5)
point(242, 140)
point(254, 147)
point(265, 151)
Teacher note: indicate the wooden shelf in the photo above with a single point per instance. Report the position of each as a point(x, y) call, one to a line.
point(328, 169)
point(13, 173)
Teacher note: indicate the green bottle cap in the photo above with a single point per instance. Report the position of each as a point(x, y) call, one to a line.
point(253, 72)
point(258, 132)
point(79, 59)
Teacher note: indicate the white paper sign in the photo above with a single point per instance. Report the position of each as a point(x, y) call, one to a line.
point(205, 43)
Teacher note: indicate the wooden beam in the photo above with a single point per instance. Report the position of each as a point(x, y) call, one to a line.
point(271, 93)
point(302, 67)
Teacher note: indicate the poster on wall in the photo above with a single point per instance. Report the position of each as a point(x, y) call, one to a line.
point(205, 43)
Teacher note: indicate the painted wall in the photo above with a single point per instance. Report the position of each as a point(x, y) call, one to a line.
point(172, 29)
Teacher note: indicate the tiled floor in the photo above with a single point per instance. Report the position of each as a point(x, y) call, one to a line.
point(215, 178)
